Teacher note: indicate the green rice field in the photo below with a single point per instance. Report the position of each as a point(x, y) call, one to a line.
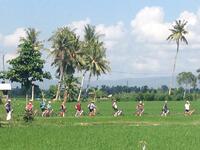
point(103, 132)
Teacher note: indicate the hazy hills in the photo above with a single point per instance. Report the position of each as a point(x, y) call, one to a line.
point(154, 82)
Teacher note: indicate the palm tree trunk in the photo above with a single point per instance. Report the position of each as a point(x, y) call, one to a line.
point(83, 77)
point(174, 67)
point(88, 85)
point(65, 96)
point(59, 84)
point(33, 86)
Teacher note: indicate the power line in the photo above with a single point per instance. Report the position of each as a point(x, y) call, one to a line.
point(133, 73)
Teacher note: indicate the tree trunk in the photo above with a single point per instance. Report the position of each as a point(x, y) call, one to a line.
point(33, 86)
point(174, 67)
point(26, 97)
point(88, 85)
point(65, 96)
point(184, 93)
point(59, 84)
point(83, 77)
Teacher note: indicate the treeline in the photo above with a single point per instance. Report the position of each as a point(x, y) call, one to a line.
point(120, 93)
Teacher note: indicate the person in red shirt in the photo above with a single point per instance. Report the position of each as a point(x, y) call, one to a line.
point(79, 111)
point(29, 106)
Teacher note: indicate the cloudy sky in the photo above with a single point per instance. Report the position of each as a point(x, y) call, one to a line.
point(135, 31)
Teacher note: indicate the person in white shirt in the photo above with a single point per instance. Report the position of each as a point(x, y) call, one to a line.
point(114, 105)
point(187, 109)
point(117, 112)
point(187, 106)
point(92, 109)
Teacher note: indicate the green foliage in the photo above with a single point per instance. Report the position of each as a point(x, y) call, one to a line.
point(178, 32)
point(51, 92)
point(189, 97)
point(66, 50)
point(187, 79)
point(94, 53)
point(28, 65)
point(28, 116)
point(1, 97)
point(71, 85)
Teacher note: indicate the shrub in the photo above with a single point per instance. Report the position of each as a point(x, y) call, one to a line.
point(28, 116)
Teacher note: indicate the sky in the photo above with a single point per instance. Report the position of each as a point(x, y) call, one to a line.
point(135, 31)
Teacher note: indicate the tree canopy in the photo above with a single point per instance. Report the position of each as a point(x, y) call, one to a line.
point(28, 65)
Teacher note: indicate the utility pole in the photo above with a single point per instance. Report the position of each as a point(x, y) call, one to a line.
point(3, 62)
point(127, 86)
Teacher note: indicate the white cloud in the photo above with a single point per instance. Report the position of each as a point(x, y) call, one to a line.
point(190, 17)
point(110, 33)
point(141, 46)
point(1, 37)
point(79, 26)
point(149, 26)
point(12, 40)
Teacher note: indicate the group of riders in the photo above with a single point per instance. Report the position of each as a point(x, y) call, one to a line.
point(47, 110)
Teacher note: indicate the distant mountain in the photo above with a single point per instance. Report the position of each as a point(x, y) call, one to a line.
point(154, 82)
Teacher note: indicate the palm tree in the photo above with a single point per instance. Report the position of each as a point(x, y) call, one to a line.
point(66, 51)
point(94, 56)
point(96, 61)
point(178, 33)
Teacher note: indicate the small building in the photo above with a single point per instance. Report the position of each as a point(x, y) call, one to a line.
point(5, 87)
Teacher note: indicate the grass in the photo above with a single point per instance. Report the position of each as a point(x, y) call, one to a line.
point(104, 132)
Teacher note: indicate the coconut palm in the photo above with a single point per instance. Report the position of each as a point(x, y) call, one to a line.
point(178, 33)
point(66, 53)
point(94, 56)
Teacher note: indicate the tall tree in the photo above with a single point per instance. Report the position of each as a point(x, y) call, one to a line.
point(66, 53)
point(27, 67)
point(187, 79)
point(178, 33)
point(94, 55)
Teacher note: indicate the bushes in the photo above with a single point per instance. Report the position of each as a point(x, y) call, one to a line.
point(28, 116)
point(159, 96)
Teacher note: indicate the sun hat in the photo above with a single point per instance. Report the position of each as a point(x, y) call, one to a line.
point(9, 100)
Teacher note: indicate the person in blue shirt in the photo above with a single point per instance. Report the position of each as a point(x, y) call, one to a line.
point(43, 107)
point(49, 109)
